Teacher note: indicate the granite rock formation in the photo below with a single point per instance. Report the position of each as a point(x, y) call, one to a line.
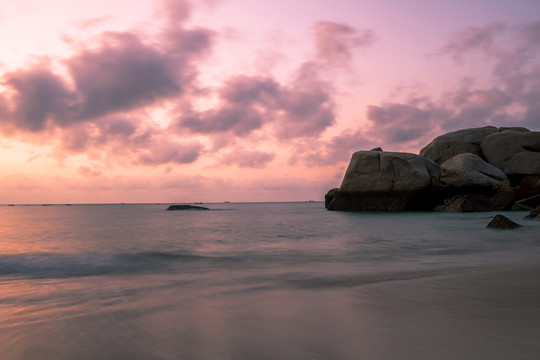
point(386, 181)
point(514, 152)
point(479, 169)
point(469, 170)
point(451, 144)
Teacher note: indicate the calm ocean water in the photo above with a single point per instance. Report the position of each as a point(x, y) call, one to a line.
point(265, 281)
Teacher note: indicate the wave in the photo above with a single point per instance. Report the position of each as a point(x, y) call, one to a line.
point(73, 265)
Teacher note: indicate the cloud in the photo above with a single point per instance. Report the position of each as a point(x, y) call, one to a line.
point(336, 150)
point(302, 108)
point(37, 96)
point(238, 119)
point(247, 158)
point(248, 90)
point(177, 11)
point(473, 39)
point(87, 171)
point(97, 101)
point(170, 152)
point(119, 71)
point(120, 75)
point(530, 34)
point(306, 110)
point(87, 24)
point(509, 97)
point(335, 42)
point(399, 123)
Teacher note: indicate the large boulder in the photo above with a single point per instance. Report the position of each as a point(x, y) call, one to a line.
point(517, 153)
point(387, 181)
point(469, 171)
point(451, 144)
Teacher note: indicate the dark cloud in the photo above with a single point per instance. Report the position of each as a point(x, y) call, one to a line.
point(303, 108)
point(120, 127)
point(249, 90)
point(335, 42)
point(238, 119)
point(306, 112)
point(37, 96)
point(246, 158)
point(244, 103)
point(170, 152)
point(117, 72)
point(474, 38)
point(120, 75)
point(115, 135)
point(399, 123)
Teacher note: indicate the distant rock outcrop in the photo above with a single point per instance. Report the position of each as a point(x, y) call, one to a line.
point(186, 207)
point(502, 222)
point(479, 169)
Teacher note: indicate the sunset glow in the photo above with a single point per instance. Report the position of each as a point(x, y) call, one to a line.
point(215, 100)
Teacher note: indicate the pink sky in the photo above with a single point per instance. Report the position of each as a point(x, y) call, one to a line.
point(238, 100)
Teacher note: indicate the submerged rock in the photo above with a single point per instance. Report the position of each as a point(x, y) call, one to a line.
point(502, 222)
point(534, 214)
point(186, 207)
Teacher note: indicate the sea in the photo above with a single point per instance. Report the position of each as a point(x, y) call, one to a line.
point(265, 281)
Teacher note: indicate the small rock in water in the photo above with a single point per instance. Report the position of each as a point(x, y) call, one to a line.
point(186, 207)
point(376, 149)
point(534, 214)
point(502, 222)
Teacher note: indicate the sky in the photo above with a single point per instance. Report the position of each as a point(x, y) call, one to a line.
point(243, 100)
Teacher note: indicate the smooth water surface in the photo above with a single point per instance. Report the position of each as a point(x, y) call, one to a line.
point(265, 281)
